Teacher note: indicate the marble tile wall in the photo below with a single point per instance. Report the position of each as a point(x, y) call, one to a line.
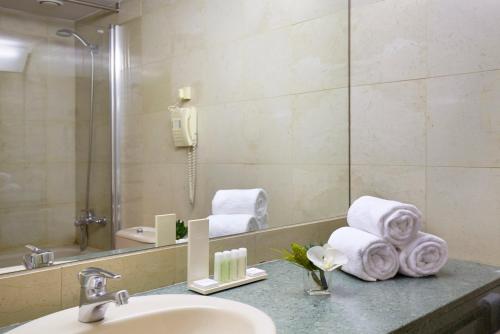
point(37, 135)
point(425, 114)
point(269, 81)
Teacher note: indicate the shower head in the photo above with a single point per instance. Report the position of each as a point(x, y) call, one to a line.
point(69, 33)
point(64, 33)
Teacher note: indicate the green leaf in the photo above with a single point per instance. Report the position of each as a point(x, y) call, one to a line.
point(298, 256)
point(180, 229)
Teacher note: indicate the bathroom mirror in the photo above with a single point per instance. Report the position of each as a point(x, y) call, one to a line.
point(90, 105)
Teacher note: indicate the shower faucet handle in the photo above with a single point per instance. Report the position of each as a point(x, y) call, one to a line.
point(38, 257)
point(88, 217)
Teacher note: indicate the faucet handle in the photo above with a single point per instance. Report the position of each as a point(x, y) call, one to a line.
point(38, 257)
point(94, 278)
point(36, 250)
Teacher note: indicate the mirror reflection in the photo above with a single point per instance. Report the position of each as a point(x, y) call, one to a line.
point(117, 130)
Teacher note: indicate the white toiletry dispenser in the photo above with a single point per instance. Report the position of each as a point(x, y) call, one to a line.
point(229, 266)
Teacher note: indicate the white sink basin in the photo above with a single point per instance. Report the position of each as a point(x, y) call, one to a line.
point(180, 314)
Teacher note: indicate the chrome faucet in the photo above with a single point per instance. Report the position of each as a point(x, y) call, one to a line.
point(94, 299)
point(87, 218)
point(38, 257)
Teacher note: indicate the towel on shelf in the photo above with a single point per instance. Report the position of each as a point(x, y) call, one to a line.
point(242, 201)
point(424, 256)
point(397, 223)
point(370, 257)
point(221, 225)
point(262, 222)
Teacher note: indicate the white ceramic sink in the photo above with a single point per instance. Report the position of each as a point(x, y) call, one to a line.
point(180, 314)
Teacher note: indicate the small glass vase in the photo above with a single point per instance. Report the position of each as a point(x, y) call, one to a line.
point(317, 282)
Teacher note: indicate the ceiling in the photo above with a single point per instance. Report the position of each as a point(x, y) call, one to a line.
point(67, 11)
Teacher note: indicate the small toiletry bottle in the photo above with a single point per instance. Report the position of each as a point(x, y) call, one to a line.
point(233, 269)
point(217, 266)
point(224, 272)
point(242, 263)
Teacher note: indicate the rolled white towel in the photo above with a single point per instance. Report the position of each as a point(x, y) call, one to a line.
point(241, 201)
point(221, 225)
point(262, 222)
point(424, 256)
point(395, 222)
point(370, 257)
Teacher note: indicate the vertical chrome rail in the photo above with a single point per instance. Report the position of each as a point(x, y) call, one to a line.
point(115, 74)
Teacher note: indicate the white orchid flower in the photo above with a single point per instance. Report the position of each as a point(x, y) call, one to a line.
point(326, 258)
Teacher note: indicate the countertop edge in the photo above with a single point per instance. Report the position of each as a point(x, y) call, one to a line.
point(415, 324)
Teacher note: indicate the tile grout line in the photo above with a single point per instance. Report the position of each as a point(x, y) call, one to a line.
point(426, 78)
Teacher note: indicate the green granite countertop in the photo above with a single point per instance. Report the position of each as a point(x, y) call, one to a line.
point(356, 306)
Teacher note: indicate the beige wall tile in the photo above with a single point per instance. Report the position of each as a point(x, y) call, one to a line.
point(261, 132)
point(60, 228)
point(433, 41)
point(154, 5)
point(389, 40)
point(60, 142)
point(463, 208)
point(319, 53)
point(401, 183)
point(12, 134)
point(180, 264)
point(277, 180)
point(242, 79)
point(23, 184)
point(22, 226)
point(15, 21)
point(464, 126)
point(156, 193)
point(389, 124)
point(461, 36)
point(156, 85)
point(132, 139)
point(319, 191)
point(158, 140)
point(132, 214)
point(270, 243)
point(60, 183)
point(22, 299)
point(34, 141)
point(319, 129)
point(156, 46)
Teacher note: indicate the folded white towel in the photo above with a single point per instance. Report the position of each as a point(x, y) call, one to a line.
point(221, 225)
point(370, 257)
point(424, 256)
point(241, 201)
point(395, 222)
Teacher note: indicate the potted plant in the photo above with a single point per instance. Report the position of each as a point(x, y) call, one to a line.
point(318, 263)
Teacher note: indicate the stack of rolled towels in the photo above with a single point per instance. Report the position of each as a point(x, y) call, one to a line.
point(384, 238)
point(238, 211)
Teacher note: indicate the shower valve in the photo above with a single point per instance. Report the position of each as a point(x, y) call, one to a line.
point(89, 218)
